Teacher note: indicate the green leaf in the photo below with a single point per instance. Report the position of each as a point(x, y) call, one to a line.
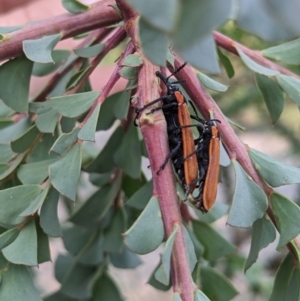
point(48, 216)
point(216, 286)
point(156, 284)
point(8, 237)
point(14, 131)
point(74, 6)
point(100, 179)
point(58, 296)
point(64, 141)
point(141, 197)
point(255, 66)
point(141, 238)
point(77, 278)
point(226, 63)
point(46, 123)
point(197, 19)
point(154, 43)
point(210, 83)
point(67, 124)
point(287, 214)
point(291, 86)
point(25, 141)
point(40, 151)
point(132, 60)
point(90, 51)
point(94, 254)
point(23, 250)
point(36, 203)
point(76, 238)
point(77, 78)
point(9, 168)
point(129, 156)
point(162, 15)
point(87, 132)
point(263, 234)
point(113, 240)
point(282, 280)
point(176, 297)
point(59, 57)
point(104, 162)
point(43, 245)
point(202, 54)
point(64, 173)
point(121, 106)
point(128, 72)
point(8, 29)
point(74, 105)
point(39, 50)
point(216, 212)
point(34, 173)
point(17, 284)
point(274, 172)
point(287, 53)
point(91, 214)
point(106, 289)
point(272, 95)
point(5, 111)
point(249, 201)
point(162, 274)
point(6, 153)
point(200, 296)
point(13, 201)
point(12, 72)
point(190, 249)
point(215, 245)
point(125, 260)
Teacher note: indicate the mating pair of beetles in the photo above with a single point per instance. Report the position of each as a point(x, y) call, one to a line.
point(196, 161)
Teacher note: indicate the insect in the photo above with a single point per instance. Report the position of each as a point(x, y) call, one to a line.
point(181, 141)
point(208, 156)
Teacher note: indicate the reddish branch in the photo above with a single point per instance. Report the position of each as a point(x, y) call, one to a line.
point(154, 131)
point(230, 45)
point(100, 14)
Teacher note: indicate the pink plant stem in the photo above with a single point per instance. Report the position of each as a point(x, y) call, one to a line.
point(100, 14)
point(110, 83)
point(230, 45)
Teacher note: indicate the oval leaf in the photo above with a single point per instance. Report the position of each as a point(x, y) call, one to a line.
point(87, 132)
point(162, 274)
point(272, 95)
point(211, 83)
point(274, 172)
point(255, 66)
point(91, 51)
point(287, 214)
point(132, 60)
point(153, 42)
point(17, 284)
point(14, 201)
point(162, 15)
point(291, 86)
point(74, 6)
point(249, 201)
point(287, 52)
point(64, 173)
point(23, 250)
point(141, 238)
point(8, 237)
point(12, 73)
point(263, 234)
point(74, 105)
point(40, 50)
point(48, 215)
